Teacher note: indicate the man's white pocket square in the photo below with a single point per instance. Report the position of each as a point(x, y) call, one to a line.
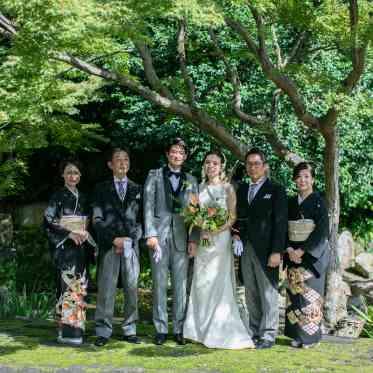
point(267, 196)
point(138, 196)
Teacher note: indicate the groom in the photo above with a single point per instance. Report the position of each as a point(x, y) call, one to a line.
point(167, 190)
point(262, 226)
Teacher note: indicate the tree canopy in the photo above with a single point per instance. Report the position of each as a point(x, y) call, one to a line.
point(268, 71)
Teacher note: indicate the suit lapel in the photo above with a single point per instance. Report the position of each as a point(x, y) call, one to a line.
point(182, 188)
point(129, 194)
point(183, 179)
point(167, 189)
point(259, 195)
point(118, 204)
point(242, 198)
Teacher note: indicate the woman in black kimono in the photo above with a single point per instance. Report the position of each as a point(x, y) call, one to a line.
point(68, 247)
point(306, 262)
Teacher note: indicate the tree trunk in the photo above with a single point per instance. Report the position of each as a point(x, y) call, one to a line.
point(333, 309)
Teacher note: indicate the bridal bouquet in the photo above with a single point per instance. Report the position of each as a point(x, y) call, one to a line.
point(207, 218)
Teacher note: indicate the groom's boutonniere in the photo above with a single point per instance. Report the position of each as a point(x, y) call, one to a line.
point(267, 196)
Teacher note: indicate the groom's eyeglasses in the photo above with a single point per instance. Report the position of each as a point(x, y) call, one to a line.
point(174, 152)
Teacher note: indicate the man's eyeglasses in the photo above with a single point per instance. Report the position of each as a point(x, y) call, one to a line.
point(254, 164)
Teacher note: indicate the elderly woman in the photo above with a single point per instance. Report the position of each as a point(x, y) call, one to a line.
point(306, 262)
point(65, 221)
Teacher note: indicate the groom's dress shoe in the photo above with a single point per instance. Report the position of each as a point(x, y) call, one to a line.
point(160, 339)
point(132, 339)
point(263, 344)
point(101, 341)
point(179, 339)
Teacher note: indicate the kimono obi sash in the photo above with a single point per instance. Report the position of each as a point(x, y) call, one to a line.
point(299, 230)
point(74, 222)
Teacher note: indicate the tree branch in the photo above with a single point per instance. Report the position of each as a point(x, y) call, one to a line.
point(93, 59)
point(181, 36)
point(195, 116)
point(358, 50)
point(280, 79)
point(7, 28)
point(199, 118)
point(239, 29)
point(277, 48)
point(235, 81)
point(260, 31)
point(358, 55)
point(295, 49)
point(149, 70)
point(274, 107)
point(262, 126)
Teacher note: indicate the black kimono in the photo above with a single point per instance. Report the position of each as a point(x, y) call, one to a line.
point(306, 281)
point(71, 285)
point(64, 251)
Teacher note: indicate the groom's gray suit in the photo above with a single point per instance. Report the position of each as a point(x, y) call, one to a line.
point(162, 218)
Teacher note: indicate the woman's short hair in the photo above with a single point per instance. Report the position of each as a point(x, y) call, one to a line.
point(303, 166)
point(177, 141)
point(73, 161)
point(256, 151)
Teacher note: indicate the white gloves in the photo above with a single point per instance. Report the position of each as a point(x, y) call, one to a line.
point(127, 248)
point(157, 254)
point(237, 247)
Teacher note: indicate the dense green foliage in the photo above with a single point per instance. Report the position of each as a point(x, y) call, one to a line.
point(32, 256)
point(44, 102)
point(39, 306)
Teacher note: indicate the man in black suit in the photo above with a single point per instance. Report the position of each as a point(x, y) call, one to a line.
point(116, 220)
point(262, 227)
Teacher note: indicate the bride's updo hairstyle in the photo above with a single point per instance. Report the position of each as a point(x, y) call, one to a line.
point(223, 162)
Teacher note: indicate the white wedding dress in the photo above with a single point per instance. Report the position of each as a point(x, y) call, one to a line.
point(212, 316)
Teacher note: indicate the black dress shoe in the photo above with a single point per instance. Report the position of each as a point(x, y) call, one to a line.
point(264, 344)
point(179, 339)
point(132, 339)
point(101, 341)
point(160, 338)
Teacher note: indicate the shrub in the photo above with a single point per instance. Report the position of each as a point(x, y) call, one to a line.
point(24, 304)
point(34, 267)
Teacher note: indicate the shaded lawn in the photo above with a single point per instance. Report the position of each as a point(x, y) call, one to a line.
point(32, 344)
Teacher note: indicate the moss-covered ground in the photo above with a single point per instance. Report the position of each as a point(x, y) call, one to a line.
point(32, 344)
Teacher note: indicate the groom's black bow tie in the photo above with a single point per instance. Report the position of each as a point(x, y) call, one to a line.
point(173, 173)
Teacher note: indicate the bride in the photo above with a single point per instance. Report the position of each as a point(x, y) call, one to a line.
point(213, 317)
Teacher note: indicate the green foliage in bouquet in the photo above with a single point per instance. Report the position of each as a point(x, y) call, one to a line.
point(208, 218)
